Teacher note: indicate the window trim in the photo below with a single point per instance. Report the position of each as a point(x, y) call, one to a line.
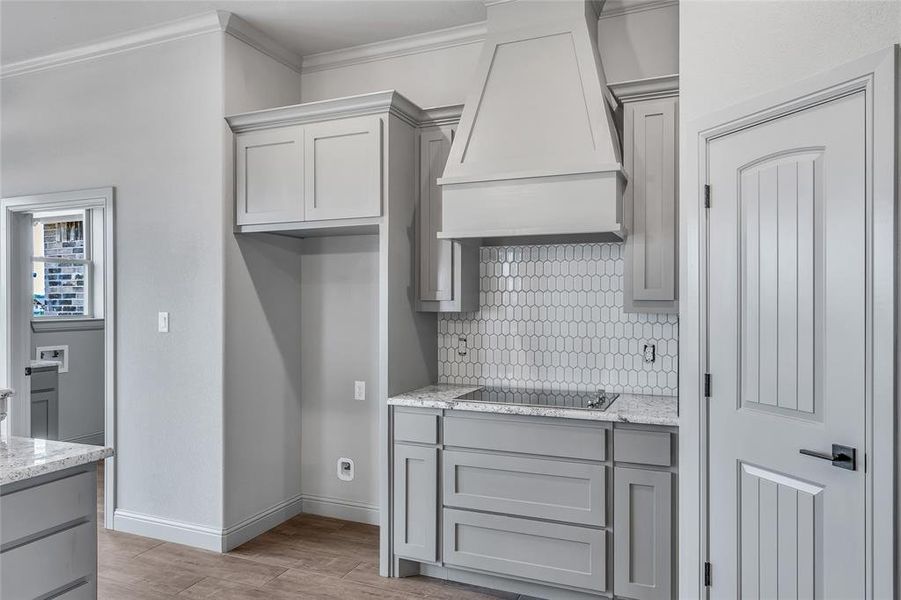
point(86, 216)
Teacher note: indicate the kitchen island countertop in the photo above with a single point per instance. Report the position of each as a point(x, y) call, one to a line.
point(24, 458)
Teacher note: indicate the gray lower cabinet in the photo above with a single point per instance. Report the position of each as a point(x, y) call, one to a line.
point(573, 492)
point(48, 536)
point(545, 506)
point(643, 526)
point(45, 403)
point(528, 549)
point(416, 502)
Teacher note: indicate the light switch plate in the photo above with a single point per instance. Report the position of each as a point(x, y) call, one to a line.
point(163, 322)
point(359, 390)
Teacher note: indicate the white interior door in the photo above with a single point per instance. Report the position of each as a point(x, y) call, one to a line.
point(788, 354)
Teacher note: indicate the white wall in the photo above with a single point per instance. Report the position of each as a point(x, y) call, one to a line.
point(730, 52)
point(632, 46)
point(262, 318)
point(339, 336)
point(81, 388)
point(149, 123)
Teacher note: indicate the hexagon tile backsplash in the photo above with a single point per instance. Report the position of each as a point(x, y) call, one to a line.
point(551, 317)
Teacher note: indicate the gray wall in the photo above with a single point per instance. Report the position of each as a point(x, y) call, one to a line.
point(81, 388)
point(149, 122)
point(632, 46)
point(262, 319)
point(339, 337)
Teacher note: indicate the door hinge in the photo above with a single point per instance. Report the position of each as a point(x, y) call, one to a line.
point(707, 569)
point(706, 195)
point(706, 385)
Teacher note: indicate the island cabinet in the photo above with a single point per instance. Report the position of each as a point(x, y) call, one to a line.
point(322, 167)
point(545, 506)
point(447, 270)
point(650, 157)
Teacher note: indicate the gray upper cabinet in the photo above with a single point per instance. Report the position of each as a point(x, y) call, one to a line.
point(343, 169)
point(643, 526)
point(447, 269)
point(269, 176)
point(324, 168)
point(651, 158)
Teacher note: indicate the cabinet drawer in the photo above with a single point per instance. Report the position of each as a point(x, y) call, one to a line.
point(39, 567)
point(545, 552)
point(415, 426)
point(44, 380)
point(526, 486)
point(640, 446)
point(528, 435)
point(43, 507)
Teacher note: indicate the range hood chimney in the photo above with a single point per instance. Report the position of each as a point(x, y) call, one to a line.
point(536, 152)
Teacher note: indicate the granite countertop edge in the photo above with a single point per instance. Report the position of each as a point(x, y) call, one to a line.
point(628, 408)
point(22, 459)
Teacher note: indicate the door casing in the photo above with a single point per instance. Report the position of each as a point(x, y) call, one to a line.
point(876, 76)
point(15, 316)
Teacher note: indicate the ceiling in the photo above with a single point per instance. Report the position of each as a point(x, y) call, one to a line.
point(32, 28)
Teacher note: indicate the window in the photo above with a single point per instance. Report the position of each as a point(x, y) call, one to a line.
point(62, 267)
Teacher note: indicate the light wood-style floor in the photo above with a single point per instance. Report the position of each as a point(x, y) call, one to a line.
point(307, 557)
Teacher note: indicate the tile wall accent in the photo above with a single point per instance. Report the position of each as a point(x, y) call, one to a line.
point(551, 317)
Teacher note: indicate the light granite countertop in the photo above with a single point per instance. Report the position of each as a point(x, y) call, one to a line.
point(24, 458)
point(628, 408)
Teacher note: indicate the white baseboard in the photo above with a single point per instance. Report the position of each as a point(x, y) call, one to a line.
point(95, 439)
point(198, 536)
point(336, 508)
point(261, 522)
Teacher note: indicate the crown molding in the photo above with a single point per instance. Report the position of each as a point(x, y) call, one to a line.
point(626, 7)
point(645, 89)
point(388, 101)
point(241, 30)
point(209, 22)
point(440, 115)
point(413, 44)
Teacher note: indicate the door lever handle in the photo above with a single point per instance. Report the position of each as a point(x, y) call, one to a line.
point(843, 457)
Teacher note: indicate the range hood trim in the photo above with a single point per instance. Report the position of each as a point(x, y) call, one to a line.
point(612, 168)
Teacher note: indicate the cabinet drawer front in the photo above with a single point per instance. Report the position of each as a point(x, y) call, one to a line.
point(34, 569)
point(269, 176)
point(343, 169)
point(525, 434)
point(525, 486)
point(545, 552)
point(44, 380)
point(415, 426)
point(43, 507)
point(640, 446)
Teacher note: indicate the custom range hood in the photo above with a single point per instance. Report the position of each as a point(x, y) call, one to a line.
point(536, 152)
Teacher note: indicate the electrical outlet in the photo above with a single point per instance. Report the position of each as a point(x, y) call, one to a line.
point(345, 469)
point(359, 390)
point(163, 322)
point(650, 353)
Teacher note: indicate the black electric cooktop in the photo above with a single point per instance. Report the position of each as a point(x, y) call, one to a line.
point(598, 400)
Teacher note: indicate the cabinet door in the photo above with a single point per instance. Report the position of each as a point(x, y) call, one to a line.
point(436, 259)
point(45, 415)
point(643, 528)
point(651, 250)
point(269, 176)
point(343, 169)
point(416, 502)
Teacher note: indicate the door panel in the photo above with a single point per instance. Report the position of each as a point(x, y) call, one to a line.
point(787, 354)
